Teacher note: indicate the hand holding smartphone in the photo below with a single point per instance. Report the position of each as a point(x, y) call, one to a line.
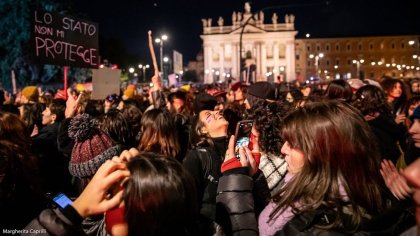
point(62, 200)
point(242, 135)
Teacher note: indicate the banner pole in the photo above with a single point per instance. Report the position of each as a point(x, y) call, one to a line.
point(65, 68)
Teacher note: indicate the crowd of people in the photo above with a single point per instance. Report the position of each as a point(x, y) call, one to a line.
point(337, 158)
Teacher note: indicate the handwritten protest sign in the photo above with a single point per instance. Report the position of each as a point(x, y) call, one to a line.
point(64, 40)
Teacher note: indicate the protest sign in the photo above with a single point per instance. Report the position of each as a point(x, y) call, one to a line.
point(105, 81)
point(64, 40)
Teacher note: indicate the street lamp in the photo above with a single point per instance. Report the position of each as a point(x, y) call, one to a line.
point(144, 70)
point(160, 42)
point(317, 58)
point(358, 63)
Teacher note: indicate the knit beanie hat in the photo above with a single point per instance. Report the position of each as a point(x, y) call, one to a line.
point(92, 147)
point(416, 114)
point(129, 92)
point(204, 101)
point(30, 93)
point(263, 90)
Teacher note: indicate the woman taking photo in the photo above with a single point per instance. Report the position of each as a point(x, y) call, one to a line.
point(332, 167)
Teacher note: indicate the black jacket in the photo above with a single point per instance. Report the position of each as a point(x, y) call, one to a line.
point(53, 165)
point(57, 222)
point(387, 134)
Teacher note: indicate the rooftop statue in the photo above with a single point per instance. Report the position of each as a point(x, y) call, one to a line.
point(247, 8)
point(274, 18)
point(220, 21)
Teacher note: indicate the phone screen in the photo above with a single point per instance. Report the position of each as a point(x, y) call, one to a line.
point(242, 135)
point(62, 200)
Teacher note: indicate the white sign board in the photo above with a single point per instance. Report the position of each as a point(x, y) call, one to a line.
point(178, 67)
point(105, 81)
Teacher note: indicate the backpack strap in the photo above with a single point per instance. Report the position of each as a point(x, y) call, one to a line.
point(206, 165)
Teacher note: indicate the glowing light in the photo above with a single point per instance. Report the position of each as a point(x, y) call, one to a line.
point(387, 65)
point(415, 56)
point(311, 56)
point(164, 37)
point(165, 59)
point(335, 67)
point(321, 55)
point(281, 68)
point(140, 66)
point(411, 42)
point(131, 70)
point(307, 35)
point(157, 40)
point(373, 63)
point(206, 71)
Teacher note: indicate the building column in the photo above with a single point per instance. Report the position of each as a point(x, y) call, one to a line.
point(235, 64)
point(206, 63)
point(263, 59)
point(210, 66)
point(276, 54)
point(222, 60)
point(258, 58)
point(290, 61)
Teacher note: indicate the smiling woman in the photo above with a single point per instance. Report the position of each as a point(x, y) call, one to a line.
point(208, 139)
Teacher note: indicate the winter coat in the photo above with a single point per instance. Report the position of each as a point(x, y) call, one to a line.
point(57, 222)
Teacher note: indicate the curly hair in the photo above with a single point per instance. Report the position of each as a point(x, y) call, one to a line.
point(268, 119)
point(370, 99)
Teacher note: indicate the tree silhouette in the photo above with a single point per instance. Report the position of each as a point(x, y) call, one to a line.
point(15, 44)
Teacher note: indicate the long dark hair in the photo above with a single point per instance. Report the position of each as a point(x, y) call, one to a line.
point(339, 155)
point(159, 133)
point(116, 126)
point(14, 130)
point(339, 89)
point(197, 137)
point(398, 104)
point(159, 197)
point(32, 115)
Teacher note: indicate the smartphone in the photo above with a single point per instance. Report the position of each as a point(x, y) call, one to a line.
point(62, 200)
point(242, 135)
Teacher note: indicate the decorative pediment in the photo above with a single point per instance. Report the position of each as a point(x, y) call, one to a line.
point(248, 29)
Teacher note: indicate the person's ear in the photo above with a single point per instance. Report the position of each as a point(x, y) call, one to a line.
point(53, 117)
point(203, 131)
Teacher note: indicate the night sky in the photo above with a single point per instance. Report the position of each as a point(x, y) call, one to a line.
point(129, 20)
